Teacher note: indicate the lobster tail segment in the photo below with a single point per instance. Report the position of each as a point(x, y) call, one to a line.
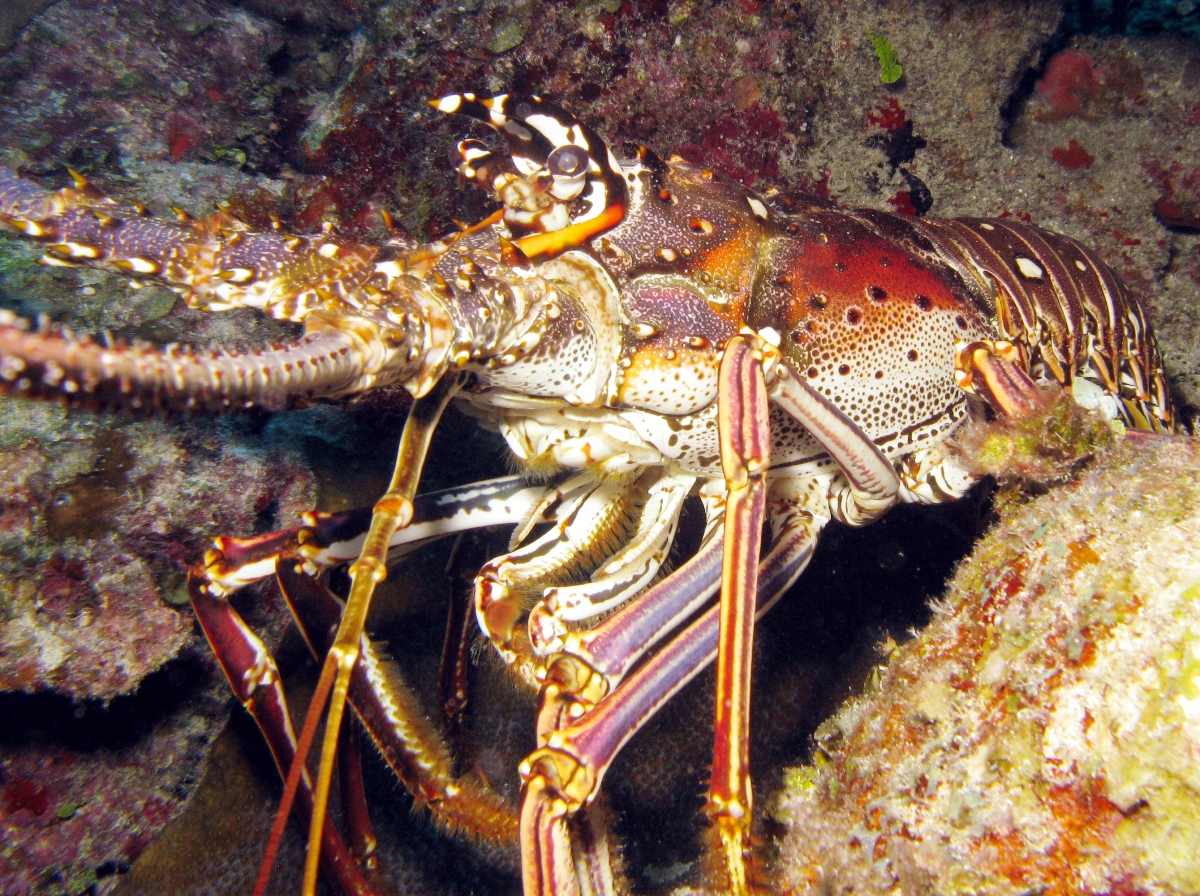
point(51, 363)
point(1073, 317)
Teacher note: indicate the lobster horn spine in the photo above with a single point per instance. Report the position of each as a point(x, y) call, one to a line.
point(55, 363)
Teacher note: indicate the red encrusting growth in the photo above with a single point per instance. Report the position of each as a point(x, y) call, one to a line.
point(1175, 215)
point(180, 142)
point(23, 794)
point(902, 203)
point(890, 115)
point(817, 186)
point(1070, 83)
point(1020, 216)
point(1073, 156)
point(182, 136)
point(742, 144)
point(1179, 202)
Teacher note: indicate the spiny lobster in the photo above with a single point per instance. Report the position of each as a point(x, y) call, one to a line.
point(639, 331)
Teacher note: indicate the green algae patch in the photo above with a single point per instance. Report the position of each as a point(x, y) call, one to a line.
point(890, 70)
point(1043, 445)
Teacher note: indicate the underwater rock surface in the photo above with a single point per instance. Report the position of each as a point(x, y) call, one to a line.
point(85, 787)
point(100, 518)
point(1043, 733)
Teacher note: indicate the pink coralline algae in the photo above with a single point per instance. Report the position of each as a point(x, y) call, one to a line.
point(1073, 156)
point(1043, 734)
point(97, 527)
point(1072, 81)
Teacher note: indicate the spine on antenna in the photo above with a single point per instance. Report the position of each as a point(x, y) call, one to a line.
point(51, 362)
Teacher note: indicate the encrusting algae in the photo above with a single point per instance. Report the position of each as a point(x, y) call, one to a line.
point(1043, 733)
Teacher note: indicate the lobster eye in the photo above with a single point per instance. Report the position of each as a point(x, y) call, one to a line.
point(566, 161)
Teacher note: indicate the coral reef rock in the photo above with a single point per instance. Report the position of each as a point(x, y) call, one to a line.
point(1043, 734)
point(99, 520)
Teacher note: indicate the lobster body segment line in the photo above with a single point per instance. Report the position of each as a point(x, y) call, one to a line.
point(640, 331)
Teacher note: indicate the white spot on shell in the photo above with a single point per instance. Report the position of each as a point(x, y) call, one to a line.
point(515, 128)
point(390, 269)
point(53, 374)
point(1029, 268)
point(470, 152)
point(239, 275)
point(78, 250)
point(757, 207)
point(1079, 264)
point(986, 226)
point(29, 228)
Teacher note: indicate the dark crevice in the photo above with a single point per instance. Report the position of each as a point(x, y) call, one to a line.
point(1010, 111)
point(1035, 67)
point(119, 723)
point(1140, 18)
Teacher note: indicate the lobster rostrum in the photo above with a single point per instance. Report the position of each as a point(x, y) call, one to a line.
point(639, 331)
